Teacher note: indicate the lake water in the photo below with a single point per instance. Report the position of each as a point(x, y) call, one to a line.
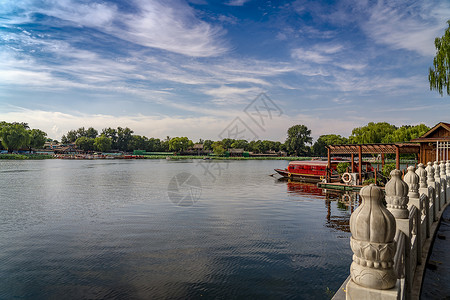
point(140, 229)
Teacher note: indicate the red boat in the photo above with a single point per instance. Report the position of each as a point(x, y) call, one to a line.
point(310, 170)
point(316, 170)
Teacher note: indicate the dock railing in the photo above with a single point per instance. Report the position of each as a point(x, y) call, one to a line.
point(391, 243)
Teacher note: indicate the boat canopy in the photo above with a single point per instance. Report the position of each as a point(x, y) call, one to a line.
point(315, 162)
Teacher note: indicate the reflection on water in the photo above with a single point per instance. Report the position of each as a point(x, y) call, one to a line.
point(344, 201)
point(97, 229)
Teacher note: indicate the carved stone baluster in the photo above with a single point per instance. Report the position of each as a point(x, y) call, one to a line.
point(397, 203)
point(397, 195)
point(437, 169)
point(372, 242)
point(430, 174)
point(443, 183)
point(434, 198)
point(424, 197)
point(422, 173)
point(412, 180)
point(442, 168)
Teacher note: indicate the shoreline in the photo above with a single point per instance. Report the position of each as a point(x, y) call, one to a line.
point(181, 157)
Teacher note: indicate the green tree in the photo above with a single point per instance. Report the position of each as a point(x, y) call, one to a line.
point(14, 137)
point(298, 137)
point(218, 148)
point(255, 146)
point(179, 144)
point(137, 142)
point(123, 138)
point(406, 133)
point(70, 137)
point(85, 143)
point(439, 77)
point(37, 138)
point(240, 144)
point(207, 145)
point(102, 143)
point(153, 145)
point(112, 134)
point(226, 143)
point(91, 133)
point(319, 147)
point(372, 133)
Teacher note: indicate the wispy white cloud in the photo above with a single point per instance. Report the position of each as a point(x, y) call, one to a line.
point(167, 25)
point(406, 25)
point(320, 53)
point(237, 2)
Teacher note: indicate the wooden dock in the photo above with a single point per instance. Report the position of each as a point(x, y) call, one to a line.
point(339, 186)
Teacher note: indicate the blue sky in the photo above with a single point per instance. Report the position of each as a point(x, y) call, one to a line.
point(196, 68)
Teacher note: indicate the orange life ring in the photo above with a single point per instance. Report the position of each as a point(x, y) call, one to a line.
point(289, 174)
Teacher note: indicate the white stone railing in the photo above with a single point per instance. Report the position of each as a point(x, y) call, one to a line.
point(390, 244)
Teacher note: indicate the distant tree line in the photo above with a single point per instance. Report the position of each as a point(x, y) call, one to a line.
point(372, 133)
point(16, 136)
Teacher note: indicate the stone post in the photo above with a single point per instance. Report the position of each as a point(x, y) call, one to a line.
point(437, 171)
point(422, 173)
point(397, 203)
point(412, 180)
point(434, 198)
point(397, 195)
point(447, 172)
point(373, 229)
point(423, 190)
point(430, 174)
point(443, 183)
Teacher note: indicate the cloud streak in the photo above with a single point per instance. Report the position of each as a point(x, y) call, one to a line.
point(166, 25)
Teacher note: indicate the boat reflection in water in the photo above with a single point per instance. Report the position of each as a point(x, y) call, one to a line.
point(338, 216)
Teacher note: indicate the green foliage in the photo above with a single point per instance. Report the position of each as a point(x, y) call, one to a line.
point(405, 133)
point(342, 167)
point(387, 170)
point(240, 144)
point(207, 145)
point(226, 143)
point(37, 138)
point(14, 136)
point(372, 180)
point(179, 144)
point(102, 143)
point(218, 148)
point(123, 138)
point(85, 143)
point(319, 147)
point(153, 145)
point(112, 134)
point(298, 137)
point(137, 142)
point(371, 133)
point(13, 156)
point(439, 77)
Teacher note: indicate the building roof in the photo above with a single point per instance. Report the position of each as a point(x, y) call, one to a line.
point(315, 162)
point(435, 134)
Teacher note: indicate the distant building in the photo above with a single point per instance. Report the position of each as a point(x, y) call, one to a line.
point(434, 144)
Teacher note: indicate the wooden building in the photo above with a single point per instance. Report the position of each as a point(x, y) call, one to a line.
point(434, 145)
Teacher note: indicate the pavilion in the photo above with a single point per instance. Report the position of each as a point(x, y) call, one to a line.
point(360, 149)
